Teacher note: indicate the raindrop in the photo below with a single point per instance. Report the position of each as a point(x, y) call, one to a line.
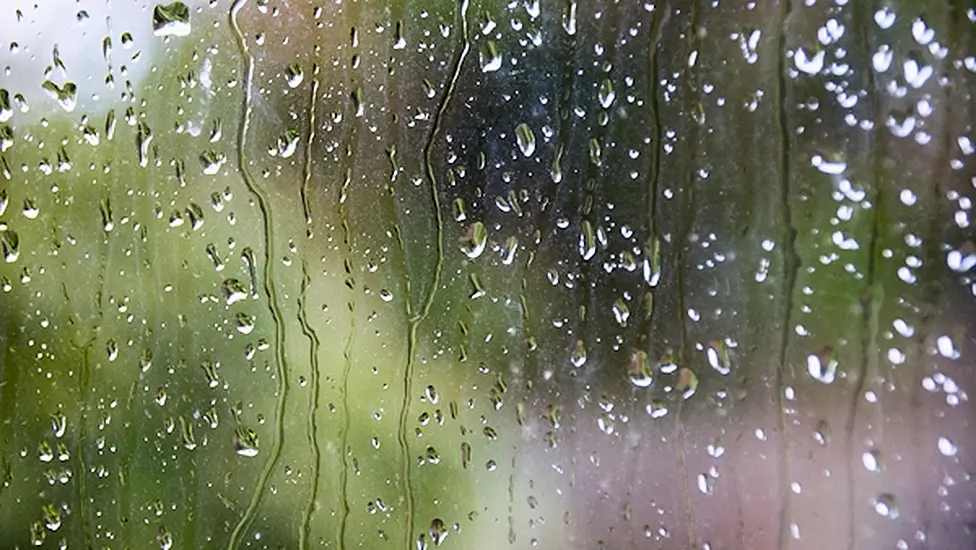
point(872, 461)
point(233, 290)
point(171, 19)
point(587, 240)
point(294, 75)
point(947, 447)
point(474, 240)
point(886, 505)
point(245, 323)
point(718, 357)
point(621, 312)
point(606, 93)
point(66, 96)
point(639, 370)
point(59, 423)
point(52, 519)
point(525, 138)
point(822, 365)
point(438, 532)
point(809, 65)
point(490, 57)
point(6, 111)
point(687, 382)
point(245, 442)
point(212, 161)
point(578, 356)
point(10, 245)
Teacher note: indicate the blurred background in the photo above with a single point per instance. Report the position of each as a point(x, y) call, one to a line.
point(486, 274)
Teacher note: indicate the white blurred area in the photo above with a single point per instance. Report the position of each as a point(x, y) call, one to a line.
point(74, 57)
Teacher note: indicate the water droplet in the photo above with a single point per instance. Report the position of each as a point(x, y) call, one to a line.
point(509, 248)
point(171, 19)
point(587, 240)
point(886, 505)
point(596, 152)
point(245, 323)
point(358, 104)
point(10, 245)
point(569, 19)
point(578, 356)
point(233, 290)
point(6, 111)
point(474, 240)
point(112, 350)
point(66, 96)
point(947, 447)
point(245, 442)
point(44, 452)
point(286, 145)
point(460, 210)
point(621, 312)
point(490, 57)
point(525, 138)
point(294, 75)
point(438, 532)
point(706, 484)
point(52, 518)
point(37, 533)
point(212, 161)
point(59, 423)
point(639, 370)
point(606, 93)
point(718, 357)
point(872, 461)
point(809, 65)
point(687, 382)
point(822, 365)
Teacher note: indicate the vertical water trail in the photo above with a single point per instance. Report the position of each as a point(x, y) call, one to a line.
point(791, 266)
point(419, 316)
point(247, 62)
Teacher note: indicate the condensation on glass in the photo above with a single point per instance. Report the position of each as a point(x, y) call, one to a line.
point(485, 274)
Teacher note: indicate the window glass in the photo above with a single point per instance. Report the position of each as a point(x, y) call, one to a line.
point(487, 274)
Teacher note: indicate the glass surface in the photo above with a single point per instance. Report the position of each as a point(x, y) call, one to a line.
point(557, 274)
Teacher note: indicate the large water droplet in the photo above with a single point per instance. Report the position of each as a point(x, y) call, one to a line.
point(490, 57)
point(171, 19)
point(474, 240)
point(525, 138)
point(66, 96)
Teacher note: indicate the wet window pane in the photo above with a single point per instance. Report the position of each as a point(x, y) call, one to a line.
point(484, 274)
